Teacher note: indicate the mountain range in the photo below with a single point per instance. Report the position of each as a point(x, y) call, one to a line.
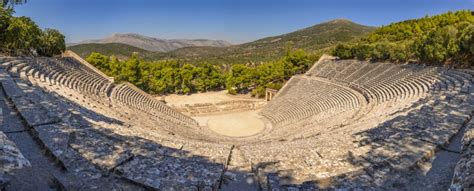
point(314, 39)
point(154, 44)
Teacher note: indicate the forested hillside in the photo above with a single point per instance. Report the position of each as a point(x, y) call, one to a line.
point(446, 39)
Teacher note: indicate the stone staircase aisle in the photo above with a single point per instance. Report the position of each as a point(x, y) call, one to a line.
point(239, 175)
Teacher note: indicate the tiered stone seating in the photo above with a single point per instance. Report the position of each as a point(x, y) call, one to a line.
point(343, 124)
point(292, 105)
point(380, 82)
point(66, 72)
point(412, 110)
point(90, 145)
point(132, 96)
point(392, 146)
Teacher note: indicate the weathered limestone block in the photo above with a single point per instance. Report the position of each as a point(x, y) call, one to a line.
point(463, 178)
point(56, 138)
point(213, 152)
point(10, 156)
point(99, 149)
point(170, 173)
point(33, 113)
point(4, 180)
point(9, 86)
point(10, 160)
point(411, 151)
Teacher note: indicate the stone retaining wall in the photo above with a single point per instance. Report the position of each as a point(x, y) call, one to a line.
point(201, 109)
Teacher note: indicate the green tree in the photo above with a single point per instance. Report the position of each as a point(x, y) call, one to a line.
point(51, 43)
point(343, 51)
point(168, 76)
point(399, 52)
point(381, 51)
point(131, 70)
point(170, 80)
point(438, 45)
point(467, 39)
point(22, 33)
point(100, 61)
point(296, 62)
point(115, 67)
point(5, 19)
point(186, 74)
point(362, 51)
point(207, 77)
point(11, 3)
point(239, 79)
point(440, 39)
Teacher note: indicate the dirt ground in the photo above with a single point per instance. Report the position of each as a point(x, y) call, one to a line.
point(235, 124)
point(238, 124)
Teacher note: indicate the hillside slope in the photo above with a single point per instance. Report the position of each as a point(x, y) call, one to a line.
point(312, 39)
point(444, 39)
point(121, 51)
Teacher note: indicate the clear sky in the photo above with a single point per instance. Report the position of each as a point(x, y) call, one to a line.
point(236, 21)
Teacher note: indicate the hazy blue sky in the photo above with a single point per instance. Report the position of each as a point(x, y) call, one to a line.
point(236, 21)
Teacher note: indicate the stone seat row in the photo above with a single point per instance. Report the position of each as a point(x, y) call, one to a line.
point(409, 86)
point(380, 82)
point(53, 73)
point(358, 155)
point(119, 111)
point(286, 110)
point(170, 122)
point(396, 144)
point(90, 153)
point(90, 84)
point(131, 96)
point(107, 110)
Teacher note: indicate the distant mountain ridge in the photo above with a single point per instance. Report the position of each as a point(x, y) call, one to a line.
point(155, 44)
point(314, 39)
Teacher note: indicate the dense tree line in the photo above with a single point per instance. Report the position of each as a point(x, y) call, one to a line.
point(169, 76)
point(446, 39)
point(273, 74)
point(166, 76)
point(22, 34)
